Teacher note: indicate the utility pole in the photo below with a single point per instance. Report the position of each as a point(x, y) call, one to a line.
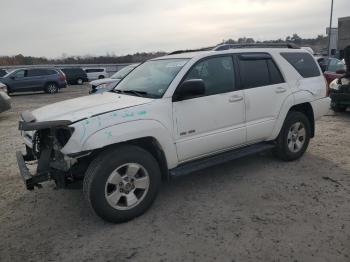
point(330, 31)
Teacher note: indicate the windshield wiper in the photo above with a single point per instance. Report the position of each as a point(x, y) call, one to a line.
point(134, 92)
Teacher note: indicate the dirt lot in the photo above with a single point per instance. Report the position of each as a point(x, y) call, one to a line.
point(253, 209)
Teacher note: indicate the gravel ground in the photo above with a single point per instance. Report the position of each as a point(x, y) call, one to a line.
point(252, 209)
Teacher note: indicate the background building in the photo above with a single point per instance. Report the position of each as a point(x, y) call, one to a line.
point(343, 34)
point(334, 40)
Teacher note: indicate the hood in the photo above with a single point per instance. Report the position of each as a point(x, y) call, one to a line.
point(87, 106)
point(103, 81)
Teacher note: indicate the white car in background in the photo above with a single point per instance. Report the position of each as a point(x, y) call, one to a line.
point(96, 73)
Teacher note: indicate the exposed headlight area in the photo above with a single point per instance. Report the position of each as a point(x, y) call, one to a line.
point(63, 135)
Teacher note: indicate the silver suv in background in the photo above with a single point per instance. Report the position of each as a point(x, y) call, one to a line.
point(49, 80)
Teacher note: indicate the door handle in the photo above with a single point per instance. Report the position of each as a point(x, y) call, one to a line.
point(280, 90)
point(235, 98)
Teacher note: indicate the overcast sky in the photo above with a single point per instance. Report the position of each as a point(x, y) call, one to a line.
point(85, 27)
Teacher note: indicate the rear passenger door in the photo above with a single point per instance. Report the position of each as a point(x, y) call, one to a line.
point(36, 79)
point(264, 90)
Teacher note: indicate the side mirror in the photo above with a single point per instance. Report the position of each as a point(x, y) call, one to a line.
point(340, 71)
point(12, 77)
point(190, 89)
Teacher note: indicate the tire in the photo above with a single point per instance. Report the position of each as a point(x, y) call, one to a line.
point(51, 88)
point(80, 81)
point(338, 108)
point(112, 197)
point(293, 139)
point(101, 77)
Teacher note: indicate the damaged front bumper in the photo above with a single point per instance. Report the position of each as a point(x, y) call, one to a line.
point(30, 181)
point(51, 164)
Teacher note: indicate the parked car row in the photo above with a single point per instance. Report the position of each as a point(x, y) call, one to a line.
point(49, 80)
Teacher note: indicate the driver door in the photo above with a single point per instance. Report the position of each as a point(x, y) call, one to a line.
point(215, 121)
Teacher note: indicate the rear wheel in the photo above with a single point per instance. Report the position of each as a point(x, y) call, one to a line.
point(101, 77)
point(294, 137)
point(80, 81)
point(51, 88)
point(122, 183)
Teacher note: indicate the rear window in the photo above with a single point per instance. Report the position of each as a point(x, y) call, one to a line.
point(303, 63)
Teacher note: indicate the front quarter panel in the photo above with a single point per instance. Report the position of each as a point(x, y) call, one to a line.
point(149, 120)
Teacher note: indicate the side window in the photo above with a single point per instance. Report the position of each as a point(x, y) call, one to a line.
point(275, 73)
point(36, 72)
point(217, 74)
point(303, 63)
point(20, 74)
point(254, 73)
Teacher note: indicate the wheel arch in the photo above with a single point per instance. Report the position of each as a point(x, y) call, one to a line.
point(292, 103)
point(148, 134)
point(307, 110)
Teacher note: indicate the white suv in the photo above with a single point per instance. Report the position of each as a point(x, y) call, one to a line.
point(173, 115)
point(96, 73)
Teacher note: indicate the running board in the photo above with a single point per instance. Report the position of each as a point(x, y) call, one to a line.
point(220, 158)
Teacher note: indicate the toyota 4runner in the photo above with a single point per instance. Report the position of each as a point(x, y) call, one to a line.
point(171, 116)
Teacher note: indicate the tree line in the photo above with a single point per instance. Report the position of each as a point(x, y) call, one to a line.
point(318, 44)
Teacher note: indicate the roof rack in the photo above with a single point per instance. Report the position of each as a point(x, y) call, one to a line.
point(191, 50)
point(255, 45)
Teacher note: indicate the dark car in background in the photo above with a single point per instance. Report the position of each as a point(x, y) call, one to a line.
point(75, 76)
point(335, 68)
point(3, 72)
point(49, 80)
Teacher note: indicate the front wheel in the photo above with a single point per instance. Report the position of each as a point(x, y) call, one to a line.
point(122, 183)
point(294, 137)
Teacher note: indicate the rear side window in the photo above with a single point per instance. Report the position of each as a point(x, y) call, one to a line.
point(36, 72)
point(94, 70)
point(275, 74)
point(259, 72)
point(303, 63)
point(51, 72)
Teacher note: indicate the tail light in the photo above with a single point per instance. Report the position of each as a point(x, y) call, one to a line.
point(62, 76)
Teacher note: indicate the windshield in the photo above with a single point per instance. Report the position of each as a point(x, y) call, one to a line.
point(123, 72)
point(151, 78)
